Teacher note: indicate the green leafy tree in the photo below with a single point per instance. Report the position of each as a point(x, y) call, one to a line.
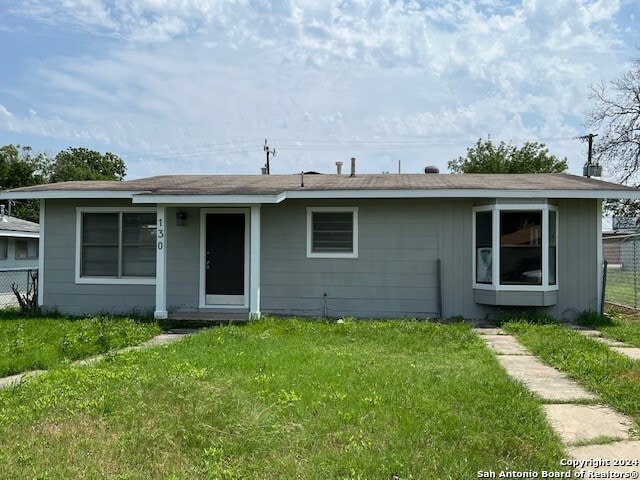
point(20, 167)
point(85, 164)
point(485, 157)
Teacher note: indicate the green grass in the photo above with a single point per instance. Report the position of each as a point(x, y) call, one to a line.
point(45, 343)
point(616, 325)
point(613, 376)
point(281, 399)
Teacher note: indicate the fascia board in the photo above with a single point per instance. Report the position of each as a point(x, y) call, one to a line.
point(144, 198)
point(10, 233)
point(204, 199)
point(465, 193)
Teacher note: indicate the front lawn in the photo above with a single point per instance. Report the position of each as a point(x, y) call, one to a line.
point(616, 325)
point(44, 343)
point(282, 399)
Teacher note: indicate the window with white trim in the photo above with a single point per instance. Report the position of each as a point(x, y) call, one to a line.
point(118, 244)
point(515, 247)
point(332, 232)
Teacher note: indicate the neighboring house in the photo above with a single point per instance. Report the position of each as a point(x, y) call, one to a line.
point(18, 251)
point(323, 245)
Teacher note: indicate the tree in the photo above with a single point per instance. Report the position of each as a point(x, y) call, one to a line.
point(85, 164)
point(616, 117)
point(19, 167)
point(485, 157)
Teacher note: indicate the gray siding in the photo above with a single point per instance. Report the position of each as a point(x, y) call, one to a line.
point(394, 274)
point(578, 267)
point(183, 260)
point(60, 290)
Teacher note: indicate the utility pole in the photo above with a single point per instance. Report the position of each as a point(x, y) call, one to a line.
point(269, 151)
point(590, 169)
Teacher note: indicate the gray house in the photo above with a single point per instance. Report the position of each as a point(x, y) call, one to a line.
point(323, 245)
point(18, 256)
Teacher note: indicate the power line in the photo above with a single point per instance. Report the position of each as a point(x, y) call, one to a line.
point(254, 145)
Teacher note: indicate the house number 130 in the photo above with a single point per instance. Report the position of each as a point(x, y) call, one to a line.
point(160, 234)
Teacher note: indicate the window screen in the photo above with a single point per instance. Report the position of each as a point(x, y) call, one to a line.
point(332, 232)
point(118, 244)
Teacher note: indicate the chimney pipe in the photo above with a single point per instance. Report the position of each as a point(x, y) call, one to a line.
point(339, 168)
point(353, 167)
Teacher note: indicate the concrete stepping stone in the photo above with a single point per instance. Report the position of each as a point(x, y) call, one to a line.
point(610, 342)
point(547, 382)
point(610, 453)
point(489, 331)
point(585, 423)
point(632, 352)
point(15, 379)
point(505, 345)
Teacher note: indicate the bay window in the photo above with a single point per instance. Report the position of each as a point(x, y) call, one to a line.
point(515, 247)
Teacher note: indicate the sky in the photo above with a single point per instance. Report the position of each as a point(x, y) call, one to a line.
point(197, 86)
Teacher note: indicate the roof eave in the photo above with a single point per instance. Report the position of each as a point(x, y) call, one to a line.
point(142, 197)
point(66, 194)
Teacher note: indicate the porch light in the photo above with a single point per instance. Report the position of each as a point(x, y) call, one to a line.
point(181, 219)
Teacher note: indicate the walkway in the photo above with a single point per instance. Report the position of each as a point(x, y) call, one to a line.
point(588, 429)
point(169, 336)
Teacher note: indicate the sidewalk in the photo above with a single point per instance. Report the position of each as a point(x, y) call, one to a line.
point(169, 336)
point(588, 429)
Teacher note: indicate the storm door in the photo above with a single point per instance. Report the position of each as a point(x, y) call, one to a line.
point(225, 259)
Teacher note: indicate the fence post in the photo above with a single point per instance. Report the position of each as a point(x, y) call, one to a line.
point(604, 286)
point(635, 273)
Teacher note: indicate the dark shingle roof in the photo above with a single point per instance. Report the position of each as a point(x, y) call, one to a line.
point(276, 184)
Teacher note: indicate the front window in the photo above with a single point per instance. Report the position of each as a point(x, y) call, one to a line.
point(118, 245)
point(332, 232)
point(515, 246)
point(521, 248)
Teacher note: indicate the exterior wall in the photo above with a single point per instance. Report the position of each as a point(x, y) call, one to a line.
point(183, 260)
point(395, 274)
point(578, 268)
point(11, 261)
point(60, 290)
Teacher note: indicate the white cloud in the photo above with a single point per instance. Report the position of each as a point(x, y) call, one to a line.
point(196, 72)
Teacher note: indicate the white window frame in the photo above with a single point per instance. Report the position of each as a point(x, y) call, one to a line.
point(106, 280)
point(311, 253)
point(495, 246)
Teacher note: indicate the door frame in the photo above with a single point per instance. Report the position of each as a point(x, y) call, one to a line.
point(203, 251)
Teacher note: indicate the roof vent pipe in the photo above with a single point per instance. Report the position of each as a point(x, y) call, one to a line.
point(353, 167)
point(339, 168)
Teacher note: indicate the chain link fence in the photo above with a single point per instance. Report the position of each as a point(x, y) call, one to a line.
point(23, 281)
point(622, 256)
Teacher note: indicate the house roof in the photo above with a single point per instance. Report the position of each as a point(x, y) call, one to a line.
point(16, 227)
point(276, 188)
